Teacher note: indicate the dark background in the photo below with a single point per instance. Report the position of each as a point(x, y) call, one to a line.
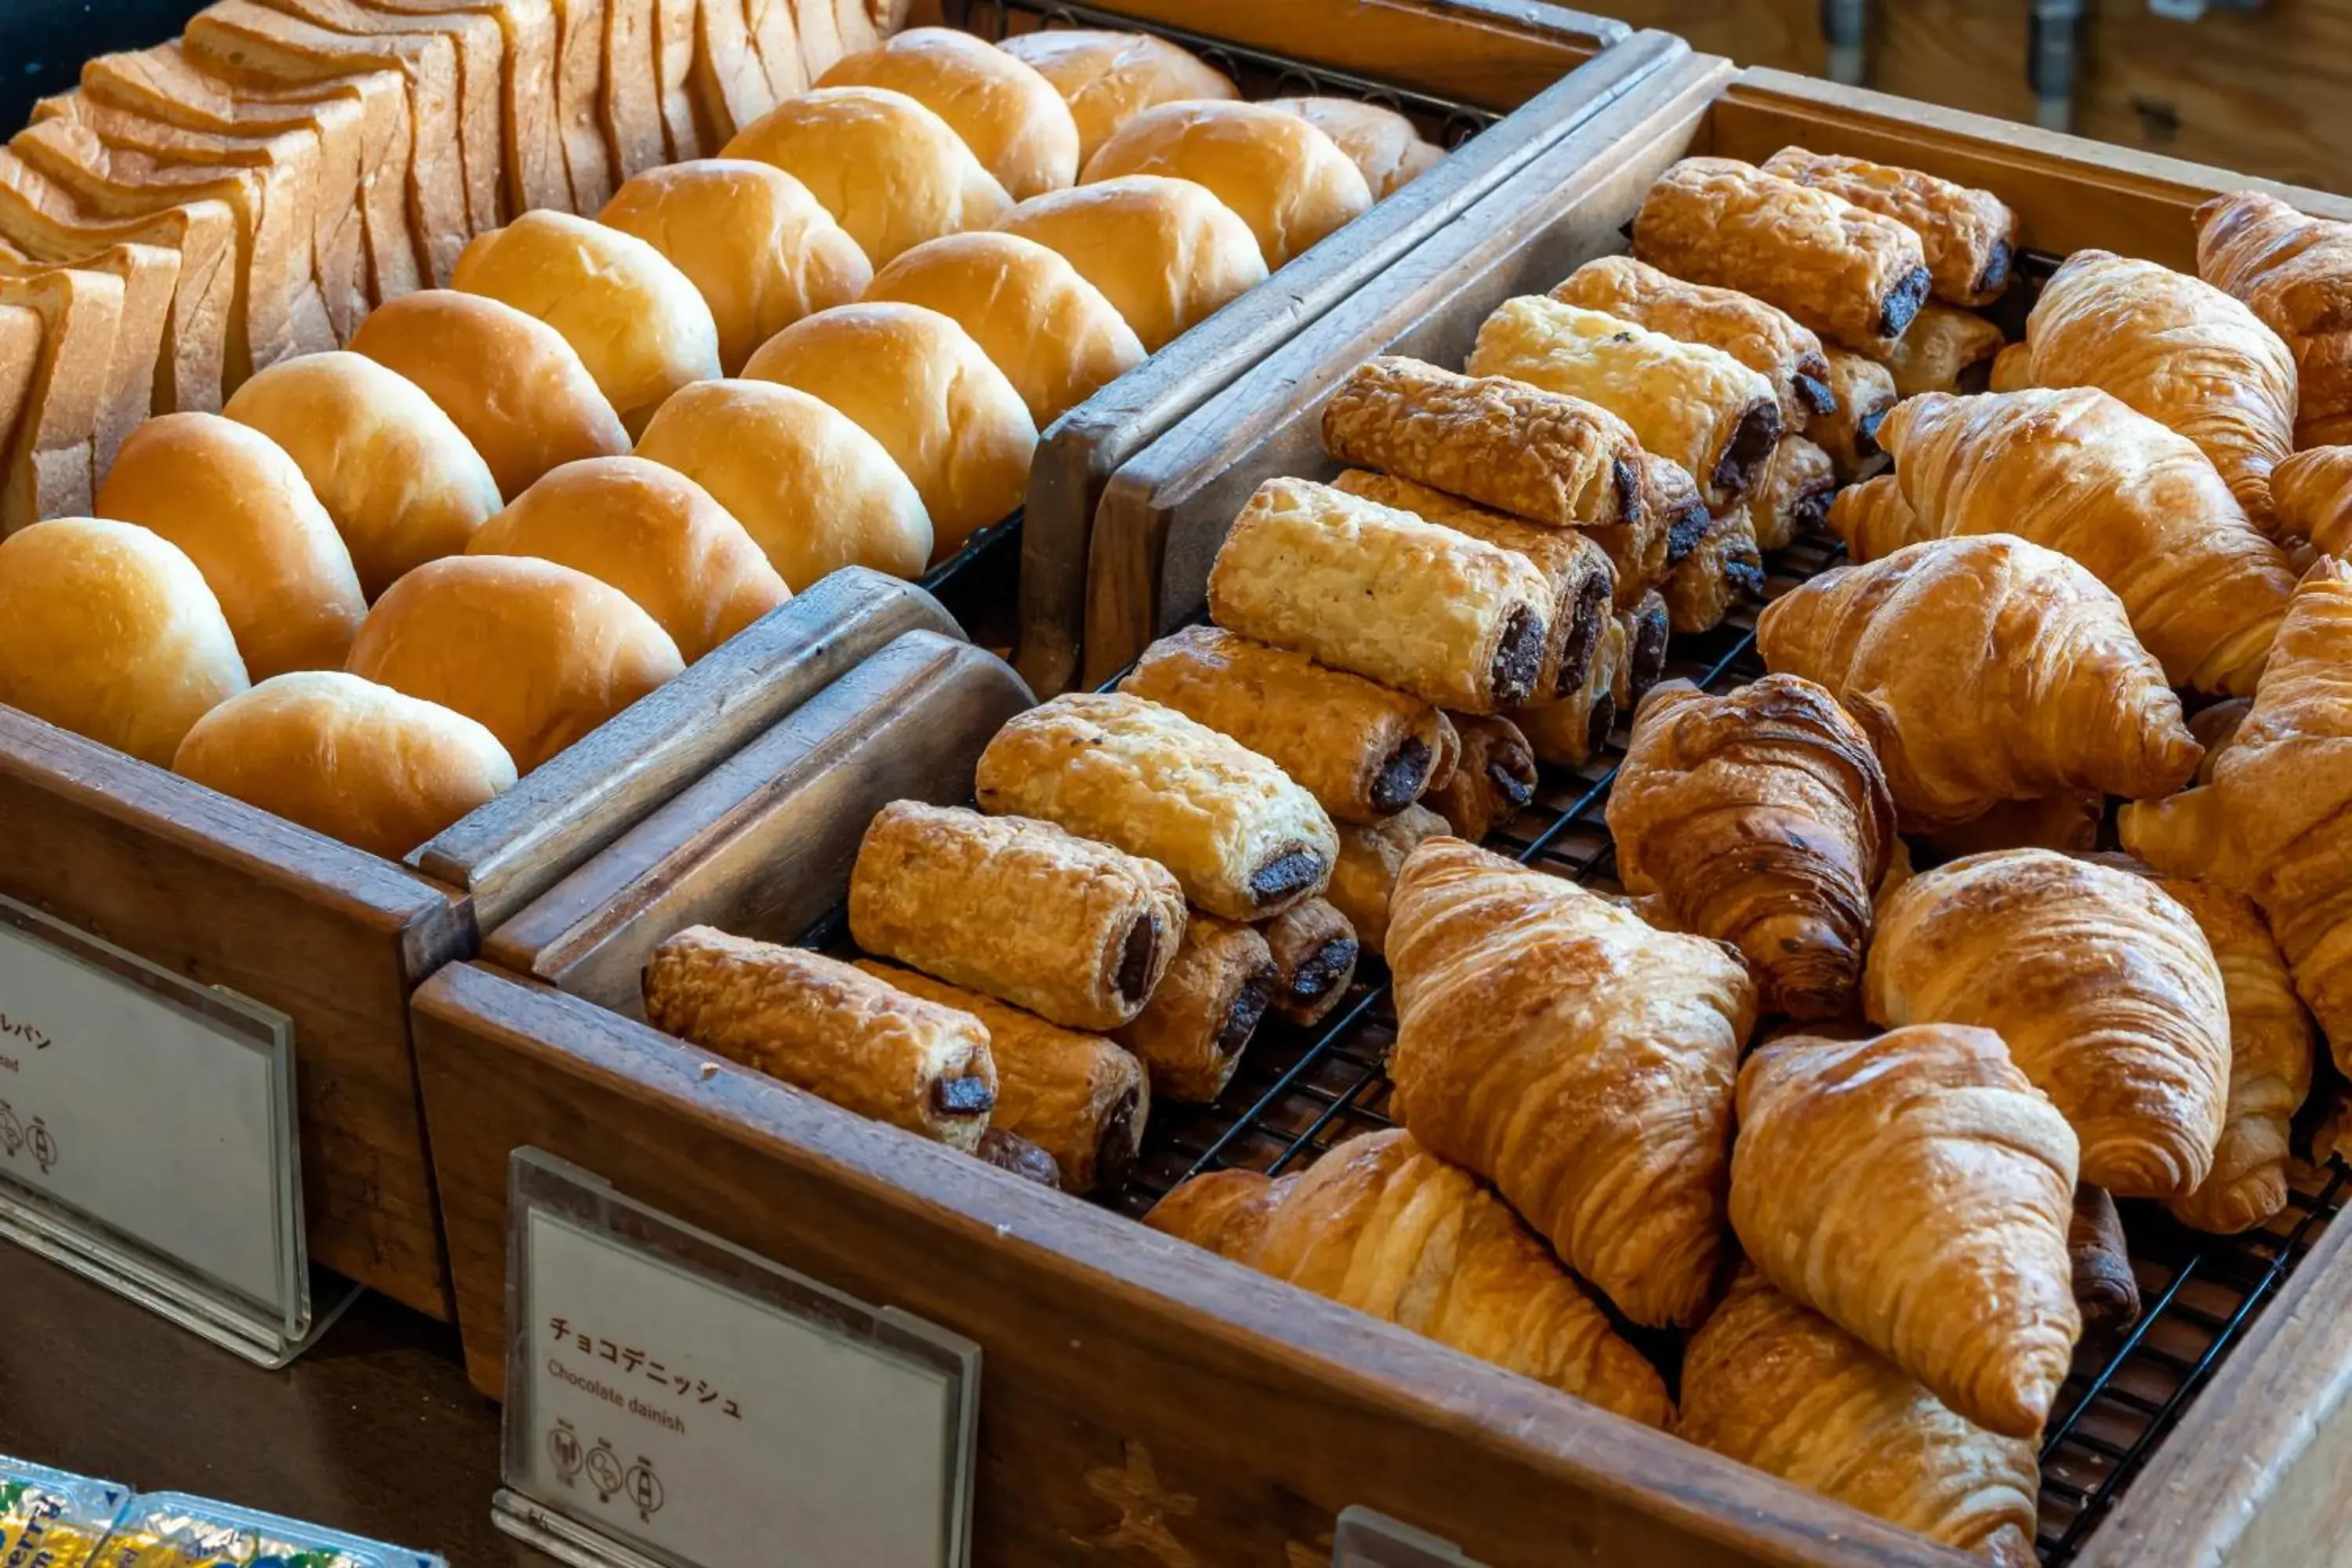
point(44, 42)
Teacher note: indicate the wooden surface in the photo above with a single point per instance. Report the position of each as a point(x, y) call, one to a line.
point(762, 846)
point(1141, 1403)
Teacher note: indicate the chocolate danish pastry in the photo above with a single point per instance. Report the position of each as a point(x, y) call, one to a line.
point(1191, 1037)
point(1314, 950)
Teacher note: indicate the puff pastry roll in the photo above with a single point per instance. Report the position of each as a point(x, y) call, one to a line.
point(1365, 587)
point(1097, 927)
point(1970, 235)
point(1942, 351)
point(828, 1028)
point(1504, 443)
point(1865, 394)
point(2311, 493)
point(2067, 822)
point(2178, 350)
point(1846, 272)
point(1583, 581)
point(2104, 989)
point(1766, 340)
point(1569, 731)
point(2077, 471)
point(2012, 369)
point(1761, 818)
point(1799, 485)
point(1369, 858)
point(1363, 751)
point(1011, 1152)
point(2104, 1288)
point(1191, 1037)
point(2270, 824)
point(2295, 272)
point(1775, 1384)
point(1645, 665)
point(1673, 517)
point(1914, 1189)
point(1495, 782)
point(1579, 1060)
point(1687, 401)
point(1873, 519)
point(1381, 1225)
point(1079, 1097)
point(1984, 671)
point(1242, 840)
point(1712, 579)
point(1314, 950)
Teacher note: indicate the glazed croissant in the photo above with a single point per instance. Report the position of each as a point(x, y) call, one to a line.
point(1382, 1225)
point(1984, 671)
point(2178, 350)
point(2295, 272)
point(2271, 823)
point(1761, 818)
point(2078, 472)
point(1914, 1189)
point(2313, 493)
point(1777, 1386)
point(1558, 1046)
point(2102, 985)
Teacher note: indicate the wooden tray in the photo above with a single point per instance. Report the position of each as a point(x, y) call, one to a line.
point(336, 938)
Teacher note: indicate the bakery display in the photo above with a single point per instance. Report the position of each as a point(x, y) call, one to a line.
point(1280, 174)
point(1165, 252)
point(1108, 78)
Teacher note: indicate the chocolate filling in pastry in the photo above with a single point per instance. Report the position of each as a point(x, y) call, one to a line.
point(1684, 529)
point(1115, 1150)
point(1996, 268)
point(1625, 477)
point(1583, 631)
point(1402, 777)
point(1011, 1152)
point(1646, 659)
point(1249, 1007)
point(1865, 434)
point(1814, 388)
point(1284, 875)
point(1903, 302)
point(1519, 658)
point(1513, 776)
point(1758, 432)
point(1135, 959)
point(963, 1095)
point(1597, 727)
point(1322, 969)
point(1810, 510)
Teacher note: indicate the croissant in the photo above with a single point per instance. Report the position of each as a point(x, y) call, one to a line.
point(2178, 350)
point(1777, 1386)
point(1984, 671)
point(1800, 486)
point(1761, 818)
point(1579, 1060)
point(2269, 1058)
point(1381, 1224)
point(2069, 822)
point(2215, 727)
point(1873, 519)
point(2103, 986)
point(2271, 823)
point(1940, 351)
point(1709, 582)
point(2012, 369)
point(2312, 494)
point(1914, 1189)
point(2295, 273)
point(2078, 472)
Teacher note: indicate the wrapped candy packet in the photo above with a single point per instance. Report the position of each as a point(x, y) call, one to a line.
point(53, 1520)
point(173, 1529)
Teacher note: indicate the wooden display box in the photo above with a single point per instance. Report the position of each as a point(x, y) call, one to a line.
point(336, 938)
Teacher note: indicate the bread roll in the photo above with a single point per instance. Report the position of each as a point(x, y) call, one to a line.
point(917, 384)
point(108, 630)
point(635, 321)
point(537, 653)
point(1288, 180)
point(892, 172)
point(762, 250)
point(1385, 147)
point(1011, 117)
point(814, 491)
point(345, 757)
point(1166, 253)
point(509, 381)
point(235, 501)
point(398, 476)
point(1107, 79)
point(653, 533)
point(1050, 332)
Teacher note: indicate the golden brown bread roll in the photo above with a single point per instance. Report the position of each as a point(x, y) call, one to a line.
point(398, 476)
point(1371, 856)
point(1108, 78)
point(1010, 116)
point(1202, 1014)
point(2068, 821)
point(109, 630)
point(1315, 951)
point(507, 380)
point(917, 383)
point(635, 321)
point(346, 757)
point(815, 491)
point(653, 533)
point(891, 172)
point(2012, 369)
point(1386, 148)
point(232, 499)
point(761, 249)
point(1724, 566)
point(1286, 179)
point(1166, 253)
point(537, 653)
point(1052, 333)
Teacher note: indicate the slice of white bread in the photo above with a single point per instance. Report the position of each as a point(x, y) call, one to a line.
point(536, 174)
point(128, 345)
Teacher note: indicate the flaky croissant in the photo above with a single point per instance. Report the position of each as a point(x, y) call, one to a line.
point(2077, 471)
point(1761, 817)
point(2295, 272)
point(1775, 1384)
point(1914, 1189)
point(1873, 519)
point(1556, 1045)
point(1984, 671)
point(2313, 493)
point(2272, 823)
point(2069, 822)
point(1381, 1224)
point(2178, 350)
point(2102, 985)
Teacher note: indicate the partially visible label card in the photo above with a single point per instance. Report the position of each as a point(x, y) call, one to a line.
point(1367, 1540)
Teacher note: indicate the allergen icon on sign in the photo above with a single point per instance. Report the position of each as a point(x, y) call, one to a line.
point(563, 1449)
point(44, 1145)
point(12, 1132)
point(605, 1471)
point(644, 1488)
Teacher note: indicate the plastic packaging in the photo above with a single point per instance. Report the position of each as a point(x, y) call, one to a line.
point(52, 1519)
point(173, 1529)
